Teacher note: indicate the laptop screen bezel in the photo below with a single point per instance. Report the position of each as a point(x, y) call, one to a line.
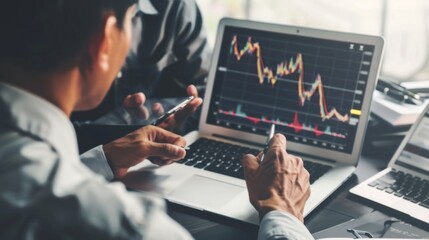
point(395, 158)
point(347, 158)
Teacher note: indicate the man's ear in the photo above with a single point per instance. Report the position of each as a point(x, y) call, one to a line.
point(100, 46)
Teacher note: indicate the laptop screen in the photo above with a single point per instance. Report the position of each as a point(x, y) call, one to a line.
point(311, 88)
point(415, 154)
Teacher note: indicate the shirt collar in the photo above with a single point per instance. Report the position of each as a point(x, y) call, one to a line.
point(37, 117)
point(146, 7)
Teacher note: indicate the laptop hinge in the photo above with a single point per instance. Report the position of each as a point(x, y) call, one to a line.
point(306, 156)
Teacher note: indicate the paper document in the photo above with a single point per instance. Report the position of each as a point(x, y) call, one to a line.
point(394, 112)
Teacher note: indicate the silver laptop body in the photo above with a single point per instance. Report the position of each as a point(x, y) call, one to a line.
point(328, 129)
point(412, 157)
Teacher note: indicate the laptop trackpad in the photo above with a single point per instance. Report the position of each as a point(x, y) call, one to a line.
point(206, 192)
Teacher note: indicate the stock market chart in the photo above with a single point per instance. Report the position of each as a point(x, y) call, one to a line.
point(311, 89)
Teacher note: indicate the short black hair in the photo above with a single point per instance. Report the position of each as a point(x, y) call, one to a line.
point(44, 35)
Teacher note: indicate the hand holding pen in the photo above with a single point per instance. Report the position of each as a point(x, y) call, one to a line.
point(281, 183)
point(267, 144)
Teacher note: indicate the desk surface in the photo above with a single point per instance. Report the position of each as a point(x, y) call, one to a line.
point(338, 208)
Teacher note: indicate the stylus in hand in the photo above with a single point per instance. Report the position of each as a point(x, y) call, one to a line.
point(267, 144)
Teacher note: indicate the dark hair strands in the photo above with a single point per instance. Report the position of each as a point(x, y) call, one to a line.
point(45, 35)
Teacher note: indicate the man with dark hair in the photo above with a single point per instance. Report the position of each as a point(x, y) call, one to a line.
point(169, 51)
point(57, 56)
point(61, 55)
point(168, 57)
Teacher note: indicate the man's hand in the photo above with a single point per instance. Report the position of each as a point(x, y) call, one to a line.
point(134, 104)
point(175, 122)
point(160, 146)
point(280, 182)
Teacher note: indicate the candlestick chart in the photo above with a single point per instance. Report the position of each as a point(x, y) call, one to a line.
point(284, 69)
point(310, 93)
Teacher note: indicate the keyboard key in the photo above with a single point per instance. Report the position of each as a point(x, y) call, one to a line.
point(225, 158)
point(398, 194)
point(191, 162)
point(239, 173)
point(410, 199)
point(411, 188)
point(182, 160)
point(426, 202)
point(200, 165)
point(373, 184)
point(389, 190)
point(424, 205)
point(420, 197)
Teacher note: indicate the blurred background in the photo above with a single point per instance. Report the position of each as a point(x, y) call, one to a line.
point(404, 25)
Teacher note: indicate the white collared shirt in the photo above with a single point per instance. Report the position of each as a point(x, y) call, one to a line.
point(47, 193)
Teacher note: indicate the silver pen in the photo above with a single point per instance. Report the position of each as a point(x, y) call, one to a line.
point(267, 144)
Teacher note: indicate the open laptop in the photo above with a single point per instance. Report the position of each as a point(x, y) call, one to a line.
point(315, 85)
point(404, 184)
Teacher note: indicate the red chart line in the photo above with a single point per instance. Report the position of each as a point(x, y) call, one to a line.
point(284, 69)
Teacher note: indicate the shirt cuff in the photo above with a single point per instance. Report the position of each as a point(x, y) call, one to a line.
point(95, 160)
point(282, 225)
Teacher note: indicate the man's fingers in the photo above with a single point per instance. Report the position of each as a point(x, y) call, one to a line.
point(160, 161)
point(157, 109)
point(250, 164)
point(259, 156)
point(134, 103)
point(277, 148)
point(188, 110)
point(166, 151)
point(141, 112)
point(192, 91)
point(164, 136)
point(127, 101)
point(134, 100)
point(278, 140)
point(303, 178)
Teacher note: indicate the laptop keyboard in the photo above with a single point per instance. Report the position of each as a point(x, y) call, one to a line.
point(225, 158)
point(404, 185)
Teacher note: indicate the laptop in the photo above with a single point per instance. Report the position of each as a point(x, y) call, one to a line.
point(314, 85)
point(404, 184)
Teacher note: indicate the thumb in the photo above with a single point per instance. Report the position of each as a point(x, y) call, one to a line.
point(250, 164)
point(166, 150)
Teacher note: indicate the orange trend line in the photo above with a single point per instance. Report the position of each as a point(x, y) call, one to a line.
point(284, 69)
